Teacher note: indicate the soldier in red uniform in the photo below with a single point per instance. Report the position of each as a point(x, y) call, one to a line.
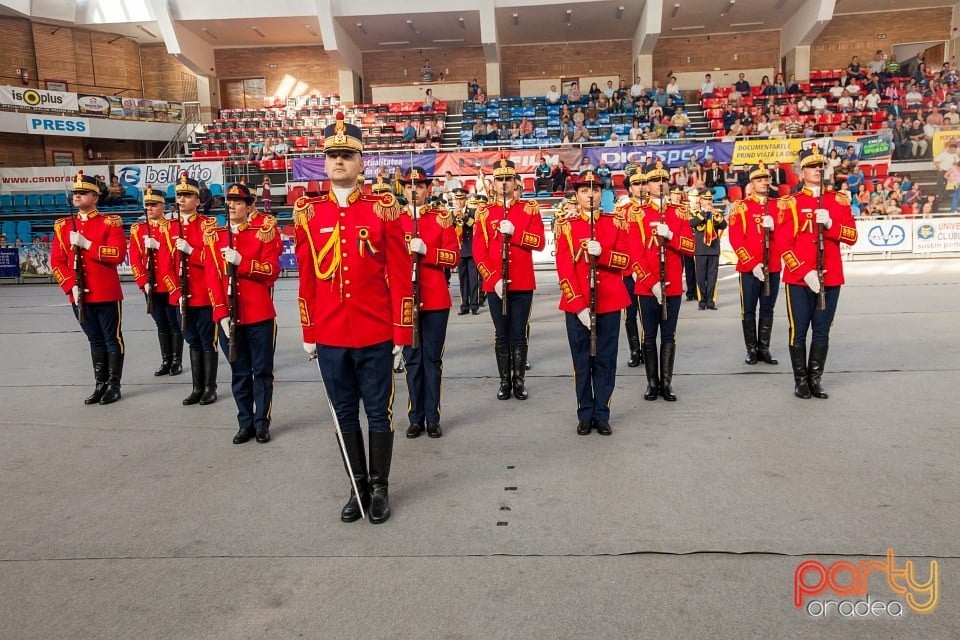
point(807, 217)
point(435, 241)
point(152, 266)
point(751, 225)
point(356, 309)
point(635, 182)
point(580, 242)
point(87, 248)
point(251, 247)
point(186, 235)
point(517, 222)
point(659, 229)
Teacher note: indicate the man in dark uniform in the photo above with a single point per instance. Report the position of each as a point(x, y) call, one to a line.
point(708, 225)
point(433, 238)
point(464, 215)
point(807, 217)
point(356, 309)
point(246, 255)
point(152, 266)
point(516, 223)
point(689, 263)
point(635, 184)
point(186, 234)
point(751, 228)
point(582, 242)
point(87, 249)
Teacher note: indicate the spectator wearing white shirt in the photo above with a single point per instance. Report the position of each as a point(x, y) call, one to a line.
point(636, 89)
point(836, 90)
point(553, 96)
point(914, 98)
point(853, 88)
point(673, 88)
point(873, 100)
point(819, 105)
point(943, 163)
point(707, 88)
point(845, 103)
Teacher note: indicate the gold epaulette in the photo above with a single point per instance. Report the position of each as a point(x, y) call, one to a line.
point(444, 218)
point(113, 221)
point(480, 213)
point(531, 207)
point(786, 201)
point(302, 211)
point(739, 207)
point(268, 228)
point(385, 206)
point(682, 212)
point(134, 229)
point(209, 227)
point(842, 197)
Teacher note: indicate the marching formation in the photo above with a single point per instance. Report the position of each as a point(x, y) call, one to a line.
point(373, 289)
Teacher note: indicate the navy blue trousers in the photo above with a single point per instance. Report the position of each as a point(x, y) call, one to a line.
point(803, 314)
point(351, 375)
point(707, 268)
point(594, 377)
point(631, 311)
point(516, 334)
point(424, 367)
point(690, 275)
point(201, 330)
point(751, 294)
point(165, 315)
point(651, 321)
point(252, 373)
point(102, 326)
point(469, 284)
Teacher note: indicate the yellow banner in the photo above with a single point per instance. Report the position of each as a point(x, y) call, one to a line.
point(769, 151)
point(942, 138)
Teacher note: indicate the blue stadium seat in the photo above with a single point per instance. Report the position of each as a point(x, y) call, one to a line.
point(9, 229)
point(131, 195)
point(171, 194)
point(719, 193)
point(61, 201)
point(33, 203)
point(48, 203)
point(6, 203)
point(216, 190)
point(20, 203)
point(24, 232)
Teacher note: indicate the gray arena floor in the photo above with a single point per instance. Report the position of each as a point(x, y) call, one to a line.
point(142, 520)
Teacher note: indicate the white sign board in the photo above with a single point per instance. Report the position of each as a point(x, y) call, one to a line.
point(883, 236)
point(936, 235)
point(38, 99)
point(162, 174)
point(50, 125)
point(34, 179)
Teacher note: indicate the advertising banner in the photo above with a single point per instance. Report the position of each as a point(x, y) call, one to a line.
point(34, 179)
point(882, 236)
point(942, 138)
point(466, 163)
point(57, 125)
point(936, 235)
point(769, 151)
point(37, 99)
point(313, 168)
point(672, 155)
point(162, 174)
point(93, 105)
point(9, 262)
point(35, 261)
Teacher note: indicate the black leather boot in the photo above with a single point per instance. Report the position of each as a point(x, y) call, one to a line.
point(750, 340)
point(353, 443)
point(667, 352)
point(503, 366)
point(114, 372)
point(196, 371)
point(210, 359)
point(176, 354)
point(633, 340)
point(818, 358)
point(519, 372)
point(798, 358)
point(763, 341)
point(381, 454)
point(166, 354)
point(100, 373)
point(651, 363)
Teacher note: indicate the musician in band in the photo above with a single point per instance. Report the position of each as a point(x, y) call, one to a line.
point(246, 255)
point(464, 217)
point(87, 249)
point(518, 223)
point(708, 225)
point(810, 219)
point(582, 242)
point(753, 238)
point(434, 239)
point(659, 282)
point(356, 308)
point(152, 266)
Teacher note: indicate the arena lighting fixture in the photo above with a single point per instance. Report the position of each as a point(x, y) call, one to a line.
point(392, 42)
point(676, 9)
point(516, 18)
point(208, 32)
point(745, 24)
point(699, 26)
point(258, 32)
point(569, 16)
point(619, 12)
point(443, 40)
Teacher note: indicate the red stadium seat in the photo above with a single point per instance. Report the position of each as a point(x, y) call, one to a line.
point(734, 192)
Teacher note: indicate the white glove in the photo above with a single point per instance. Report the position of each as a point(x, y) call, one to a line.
point(768, 222)
point(147, 288)
point(310, 349)
point(813, 282)
point(499, 287)
point(663, 230)
point(232, 256)
point(657, 290)
point(593, 248)
point(151, 243)
point(584, 317)
point(184, 246)
point(76, 293)
point(78, 240)
point(758, 272)
point(823, 217)
point(397, 349)
point(506, 227)
point(225, 326)
point(417, 245)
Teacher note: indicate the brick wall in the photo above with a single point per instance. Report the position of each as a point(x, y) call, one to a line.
point(298, 70)
point(563, 59)
point(164, 78)
point(851, 35)
point(17, 51)
point(18, 150)
point(387, 67)
point(89, 61)
point(724, 51)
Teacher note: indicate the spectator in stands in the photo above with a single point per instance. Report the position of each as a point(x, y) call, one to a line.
point(426, 71)
point(836, 90)
point(594, 93)
point(929, 206)
point(636, 133)
point(619, 99)
point(714, 176)
point(893, 66)
point(779, 86)
point(793, 87)
point(862, 197)
point(673, 90)
point(729, 116)
point(913, 196)
point(777, 129)
point(895, 109)
point(854, 69)
point(114, 193)
point(765, 86)
point(553, 96)
point(855, 178)
point(603, 104)
point(514, 131)
point(609, 90)
point(658, 129)
point(280, 149)
point(266, 202)
point(573, 93)
point(845, 103)
point(872, 100)
point(734, 98)
point(434, 131)
point(255, 151)
point(736, 129)
point(429, 102)
point(852, 87)
point(804, 107)
point(565, 114)
point(707, 88)
point(580, 133)
point(793, 128)
point(623, 91)
point(914, 97)
point(479, 130)
point(943, 163)
point(526, 128)
point(3, 241)
point(206, 197)
point(560, 176)
point(742, 85)
point(819, 104)
point(542, 174)
point(591, 115)
point(268, 153)
point(918, 141)
point(877, 65)
point(654, 111)
point(450, 182)
point(409, 132)
point(104, 190)
point(636, 89)
point(474, 89)
point(680, 177)
point(579, 116)
point(497, 131)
